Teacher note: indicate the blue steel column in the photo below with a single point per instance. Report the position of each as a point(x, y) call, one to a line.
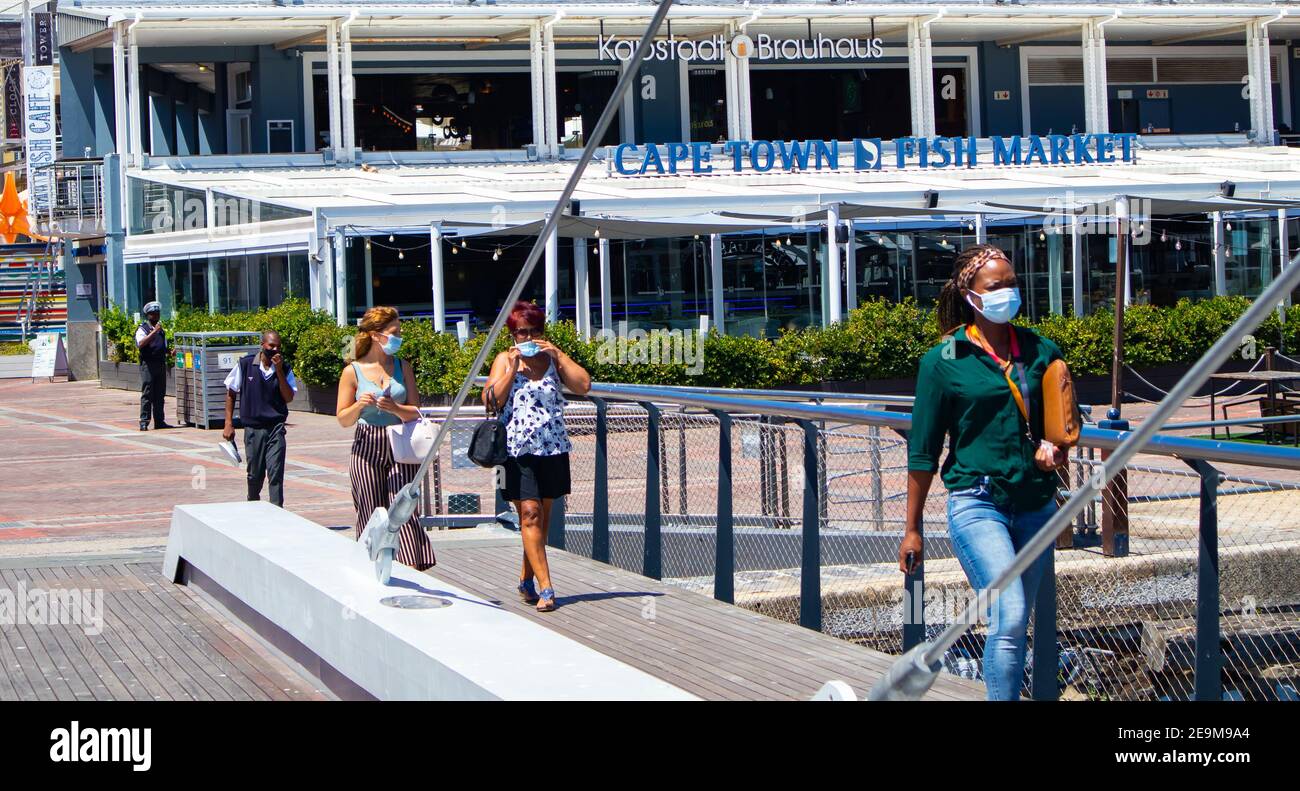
point(810, 567)
point(600, 497)
point(652, 548)
point(114, 231)
point(1209, 655)
point(724, 564)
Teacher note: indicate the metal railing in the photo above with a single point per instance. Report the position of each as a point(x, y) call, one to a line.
point(795, 510)
point(77, 198)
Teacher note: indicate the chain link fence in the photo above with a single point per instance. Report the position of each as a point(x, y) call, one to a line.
point(1125, 623)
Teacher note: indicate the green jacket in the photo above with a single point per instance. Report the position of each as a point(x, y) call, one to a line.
point(961, 395)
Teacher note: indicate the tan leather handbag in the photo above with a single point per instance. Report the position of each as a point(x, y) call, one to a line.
point(1061, 418)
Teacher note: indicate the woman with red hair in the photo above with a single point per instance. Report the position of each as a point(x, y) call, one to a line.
point(525, 386)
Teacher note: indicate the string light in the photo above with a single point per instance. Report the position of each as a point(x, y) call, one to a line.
point(788, 242)
point(401, 255)
point(1162, 237)
point(367, 244)
point(455, 250)
point(1042, 237)
point(390, 237)
point(463, 244)
point(1178, 244)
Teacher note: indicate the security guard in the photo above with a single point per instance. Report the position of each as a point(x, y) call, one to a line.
point(264, 385)
point(152, 342)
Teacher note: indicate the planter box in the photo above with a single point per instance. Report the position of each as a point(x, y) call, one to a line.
point(126, 376)
point(1091, 389)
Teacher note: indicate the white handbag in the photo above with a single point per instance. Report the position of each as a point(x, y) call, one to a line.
point(411, 441)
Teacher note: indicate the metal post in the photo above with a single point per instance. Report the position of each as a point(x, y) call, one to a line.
point(766, 478)
point(681, 465)
point(810, 583)
point(823, 482)
point(439, 284)
point(600, 494)
point(551, 279)
point(850, 269)
point(833, 284)
point(332, 84)
point(1044, 685)
point(347, 92)
point(981, 233)
point(652, 548)
point(582, 304)
point(724, 563)
point(914, 608)
point(555, 527)
point(606, 291)
point(664, 500)
point(877, 482)
point(1076, 265)
point(1209, 655)
point(715, 269)
point(1220, 254)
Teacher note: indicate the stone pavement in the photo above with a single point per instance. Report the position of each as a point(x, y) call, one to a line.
point(81, 478)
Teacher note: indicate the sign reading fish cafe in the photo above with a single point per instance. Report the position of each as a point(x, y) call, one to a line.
point(762, 156)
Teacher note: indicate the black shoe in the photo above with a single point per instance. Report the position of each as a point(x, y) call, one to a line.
point(144, 426)
point(162, 426)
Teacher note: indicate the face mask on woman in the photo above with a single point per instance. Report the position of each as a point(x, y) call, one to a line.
point(1000, 305)
point(391, 345)
point(528, 348)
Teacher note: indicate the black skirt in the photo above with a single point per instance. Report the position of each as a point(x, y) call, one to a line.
point(532, 477)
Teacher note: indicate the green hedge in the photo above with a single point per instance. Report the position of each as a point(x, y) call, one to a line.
point(879, 340)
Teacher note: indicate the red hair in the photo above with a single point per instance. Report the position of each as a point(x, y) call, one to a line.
point(526, 314)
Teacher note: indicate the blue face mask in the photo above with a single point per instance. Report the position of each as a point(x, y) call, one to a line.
point(391, 345)
point(528, 348)
point(1000, 305)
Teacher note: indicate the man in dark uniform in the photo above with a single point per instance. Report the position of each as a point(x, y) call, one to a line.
point(152, 342)
point(265, 386)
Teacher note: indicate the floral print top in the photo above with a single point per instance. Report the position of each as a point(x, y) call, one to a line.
point(534, 416)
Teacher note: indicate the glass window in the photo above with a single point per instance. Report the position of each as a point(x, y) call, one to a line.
point(883, 265)
point(435, 112)
point(708, 92)
point(581, 97)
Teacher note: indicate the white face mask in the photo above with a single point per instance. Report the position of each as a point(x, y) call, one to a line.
point(1000, 305)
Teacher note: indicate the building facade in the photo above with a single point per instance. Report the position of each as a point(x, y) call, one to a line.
point(772, 165)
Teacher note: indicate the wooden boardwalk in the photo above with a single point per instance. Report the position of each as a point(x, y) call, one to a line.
point(711, 649)
point(158, 641)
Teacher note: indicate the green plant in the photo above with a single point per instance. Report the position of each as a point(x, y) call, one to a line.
point(320, 355)
point(119, 329)
point(14, 348)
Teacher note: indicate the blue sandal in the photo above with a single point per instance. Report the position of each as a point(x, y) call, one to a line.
point(527, 593)
point(546, 602)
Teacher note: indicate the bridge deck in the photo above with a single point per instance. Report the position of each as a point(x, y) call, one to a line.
point(158, 642)
point(711, 649)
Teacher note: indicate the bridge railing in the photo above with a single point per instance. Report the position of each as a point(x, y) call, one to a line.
point(795, 510)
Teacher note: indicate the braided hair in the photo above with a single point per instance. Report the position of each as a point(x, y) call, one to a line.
point(953, 310)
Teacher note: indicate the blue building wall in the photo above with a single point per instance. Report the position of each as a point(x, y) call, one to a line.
point(277, 95)
point(999, 70)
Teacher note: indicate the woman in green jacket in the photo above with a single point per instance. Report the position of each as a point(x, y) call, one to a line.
point(981, 389)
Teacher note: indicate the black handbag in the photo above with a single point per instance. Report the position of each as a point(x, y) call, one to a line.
point(487, 448)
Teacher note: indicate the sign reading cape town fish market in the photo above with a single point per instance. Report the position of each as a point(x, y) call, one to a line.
point(762, 156)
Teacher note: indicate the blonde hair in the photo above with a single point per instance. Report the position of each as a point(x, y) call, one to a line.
point(374, 320)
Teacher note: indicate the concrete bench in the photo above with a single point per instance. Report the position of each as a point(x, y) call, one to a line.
point(313, 594)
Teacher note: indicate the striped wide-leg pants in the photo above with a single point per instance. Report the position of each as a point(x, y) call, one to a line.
point(375, 479)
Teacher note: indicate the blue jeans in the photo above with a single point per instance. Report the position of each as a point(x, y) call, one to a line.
point(985, 539)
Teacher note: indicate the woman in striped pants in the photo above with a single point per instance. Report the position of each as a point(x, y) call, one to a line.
point(374, 394)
